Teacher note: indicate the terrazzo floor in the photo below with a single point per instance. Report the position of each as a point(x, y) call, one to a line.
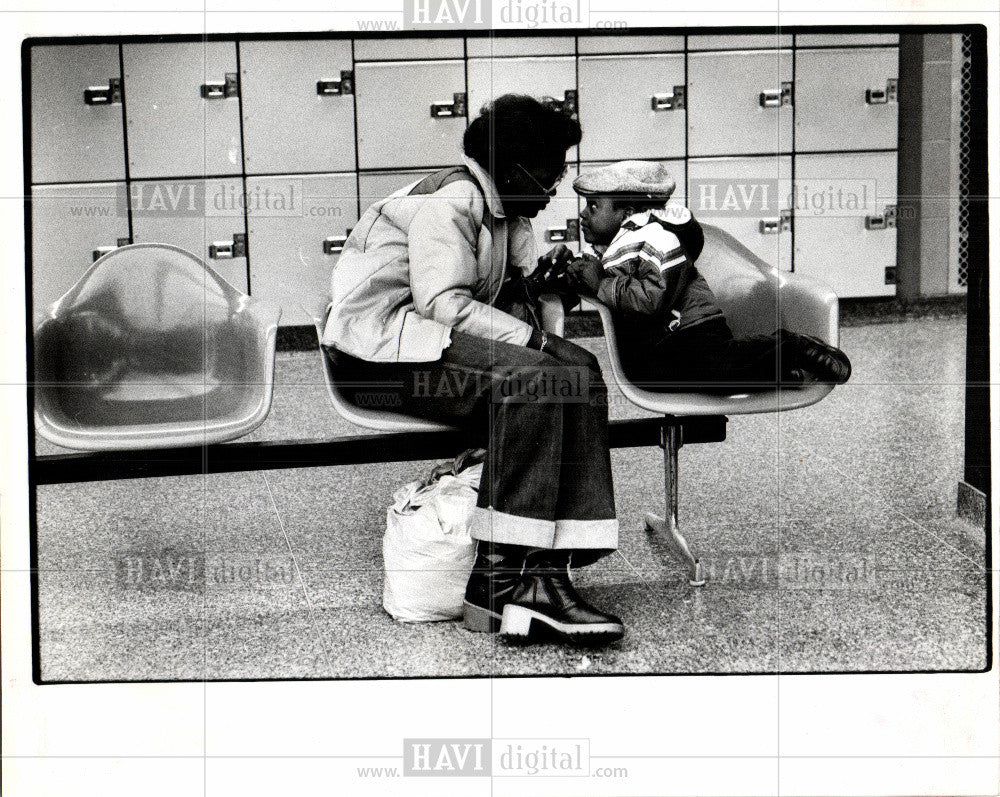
point(279, 574)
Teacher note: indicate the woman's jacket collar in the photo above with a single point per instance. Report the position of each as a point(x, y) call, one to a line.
point(487, 185)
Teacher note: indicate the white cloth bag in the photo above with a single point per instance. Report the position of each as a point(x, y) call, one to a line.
point(427, 549)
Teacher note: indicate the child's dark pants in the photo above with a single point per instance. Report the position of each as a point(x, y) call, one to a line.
point(707, 358)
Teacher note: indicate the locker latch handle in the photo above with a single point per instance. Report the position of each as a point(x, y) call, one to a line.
point(676, 100)
point(104, 95)
point(226, 250)
point(334, 244)
point(566, 105)
point(571, 232)
point(884, 222)
point(221, 89)
point(773, 98)
point(345, 85)
point(101, 251)
point(778, 224)
point(883, 96)
point(446, 110)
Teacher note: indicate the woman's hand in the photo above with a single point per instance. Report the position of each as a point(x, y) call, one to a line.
point(552, 265)
point(555, 259)
point(564, 351)
point(551, 272)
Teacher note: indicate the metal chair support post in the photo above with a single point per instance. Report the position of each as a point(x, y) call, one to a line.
point(667, 527)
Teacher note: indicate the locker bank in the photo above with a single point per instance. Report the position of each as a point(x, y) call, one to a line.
point(259, 154)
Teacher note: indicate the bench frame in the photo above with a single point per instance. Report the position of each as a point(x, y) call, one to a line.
point(354, 450)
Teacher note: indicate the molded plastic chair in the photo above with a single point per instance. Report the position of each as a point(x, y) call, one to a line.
point(364, 417)
point(756, 298)
point(153, 348)
point(552, 321)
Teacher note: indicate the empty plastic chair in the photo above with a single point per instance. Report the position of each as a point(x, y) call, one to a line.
point(756, 298)
point(153, 348)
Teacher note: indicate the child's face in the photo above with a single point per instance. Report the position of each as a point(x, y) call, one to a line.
point(600, 221)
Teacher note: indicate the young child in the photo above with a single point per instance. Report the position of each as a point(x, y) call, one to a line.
point(672, 334)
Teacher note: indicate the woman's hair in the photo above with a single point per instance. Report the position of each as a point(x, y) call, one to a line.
point(516, 128)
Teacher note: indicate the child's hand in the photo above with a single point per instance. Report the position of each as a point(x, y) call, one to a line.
point(586, 272)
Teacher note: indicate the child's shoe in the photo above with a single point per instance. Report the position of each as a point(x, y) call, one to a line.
point(827, 362)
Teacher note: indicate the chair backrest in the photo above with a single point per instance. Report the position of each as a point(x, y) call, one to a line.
point(745, 287)
point(756, 299)
point(152, 347)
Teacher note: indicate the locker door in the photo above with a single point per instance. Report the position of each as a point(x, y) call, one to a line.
point(298, 106)
point(841, 39)
point(739, 102)
point(408, 49)
point(493, 46)
point(70, 224)
point(373, 186)
point(559, 222)
point(76, 114)
point(205, 217)
point(843, 232)
point(291, 256)
point(626, 43)
point(182, 109)
point(858, 110)
point(410, 113)
point(739, 41)
point(750, 198)
point(538, 77)
point(632, 107)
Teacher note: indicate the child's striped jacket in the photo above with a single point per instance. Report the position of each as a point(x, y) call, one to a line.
point(649, 269)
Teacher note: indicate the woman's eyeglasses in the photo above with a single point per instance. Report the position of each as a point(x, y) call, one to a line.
point(551, 191)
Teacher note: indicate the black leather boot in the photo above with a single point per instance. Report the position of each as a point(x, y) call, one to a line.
point(827, 362)
point(494, 576)
point(545, 605)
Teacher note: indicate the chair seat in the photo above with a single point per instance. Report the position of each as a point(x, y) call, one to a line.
point(368, 418)
point(148, 387)
point(744, 403)
point(755, 298)
point(152, 348)
point(381, 420)
point(747, 403)
point(385, 421)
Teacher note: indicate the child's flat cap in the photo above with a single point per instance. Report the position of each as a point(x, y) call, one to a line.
point(627, 177)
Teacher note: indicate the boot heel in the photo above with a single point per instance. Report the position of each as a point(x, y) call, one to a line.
point(516, 621)
point(483, 621)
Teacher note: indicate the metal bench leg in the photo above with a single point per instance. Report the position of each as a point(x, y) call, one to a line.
point(668, 528)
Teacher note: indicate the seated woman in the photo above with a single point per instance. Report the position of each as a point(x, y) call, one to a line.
point(414, 311)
